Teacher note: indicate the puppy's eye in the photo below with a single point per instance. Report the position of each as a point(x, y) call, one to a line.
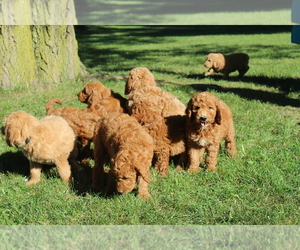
point(196, 108)
point(210, 108)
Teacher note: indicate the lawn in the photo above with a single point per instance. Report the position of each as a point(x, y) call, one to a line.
point(260, 187)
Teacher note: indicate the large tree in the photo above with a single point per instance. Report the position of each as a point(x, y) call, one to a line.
point(33, 54)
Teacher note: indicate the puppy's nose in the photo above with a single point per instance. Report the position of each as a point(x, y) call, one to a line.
point(203, 118)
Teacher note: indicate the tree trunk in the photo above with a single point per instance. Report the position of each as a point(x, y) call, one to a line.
point(32, 55)
point(35, 54)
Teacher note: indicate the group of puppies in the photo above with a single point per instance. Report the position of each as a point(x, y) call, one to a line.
point(131, 134)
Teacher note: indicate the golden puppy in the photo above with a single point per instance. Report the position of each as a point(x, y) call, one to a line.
point(217, 62)
point(160, 112)
point(139, 77)
point(209, 120)
point(47, 141)
point(122, 140)
point(95, 92)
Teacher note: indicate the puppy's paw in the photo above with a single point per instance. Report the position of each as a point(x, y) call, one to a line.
point(212, 168)
point(144, 196)
point(193, 170)
point(32, 182)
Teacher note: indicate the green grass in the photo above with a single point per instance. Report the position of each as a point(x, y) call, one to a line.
point(260, 187)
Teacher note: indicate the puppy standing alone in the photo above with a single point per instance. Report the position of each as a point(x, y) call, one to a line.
point(209, 120)
point(47, 141)
point(217, 62)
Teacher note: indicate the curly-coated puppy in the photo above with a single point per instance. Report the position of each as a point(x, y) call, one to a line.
point(160, 112)
point(137, 78)
point(47, 141)
point(141, 85)
point(129, 147)
point(209, 120)
point(83, 121)
point(95, 92)
point(217, 62)
point(156, 126)
point(162, 115)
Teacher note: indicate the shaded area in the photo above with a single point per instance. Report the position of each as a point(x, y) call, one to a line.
point(17, 163)
point(85, 31)
point(87, 37)
point(251, 94)
point(14, 162)
point(92, 55)
point(283, 84)
point(135, 12)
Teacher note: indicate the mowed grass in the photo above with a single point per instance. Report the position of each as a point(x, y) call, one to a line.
point(260, 187)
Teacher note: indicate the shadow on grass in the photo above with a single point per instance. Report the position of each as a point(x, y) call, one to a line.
point(251, 94)
point(14, 162)
point(82, 181)
point(90, 39)
point(157, 31)
point(286, 85)
point(17, 163)
point(82, 185)
point(92, 54)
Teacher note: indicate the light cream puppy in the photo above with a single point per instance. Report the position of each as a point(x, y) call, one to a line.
point(225, 64)
point(47, 141)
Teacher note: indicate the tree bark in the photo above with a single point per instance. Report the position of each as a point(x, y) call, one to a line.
point(38, 54)
point(33, 55)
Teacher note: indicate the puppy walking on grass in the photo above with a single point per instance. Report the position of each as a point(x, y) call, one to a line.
point(47, 141)
point(219, 63)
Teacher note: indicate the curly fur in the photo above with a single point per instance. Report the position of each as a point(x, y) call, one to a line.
point(47, 141)
point(156, 126)
point(160, 113)
point(95, 92)
point(208, 121)
point(129, 147)
point(137, 78)
point(217, 62)
point(84, 121)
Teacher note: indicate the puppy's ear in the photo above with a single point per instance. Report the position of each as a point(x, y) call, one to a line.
point(104, 93)
point(10, 136)
point(218, 117)
point(144, 173)
point(91, 99)
point(8, 133)
point(189, 111)
point(219, 61)
point(128, 87)
point(215, 60)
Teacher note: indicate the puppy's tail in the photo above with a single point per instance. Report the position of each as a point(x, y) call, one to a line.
point(49, 106)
